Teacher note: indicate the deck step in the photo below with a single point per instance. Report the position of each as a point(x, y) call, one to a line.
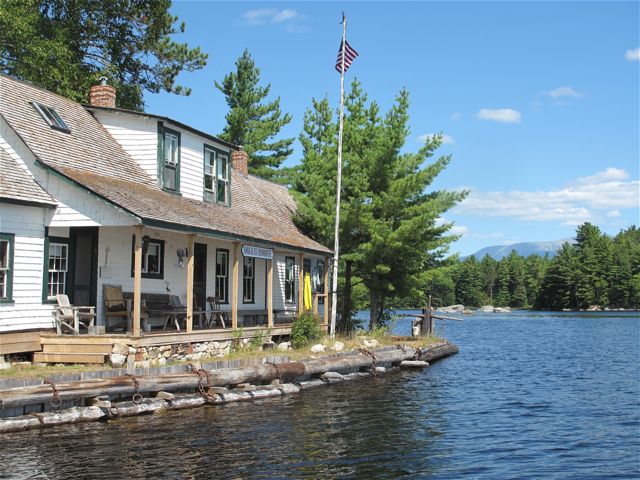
point(69, 357)
point(76, 348)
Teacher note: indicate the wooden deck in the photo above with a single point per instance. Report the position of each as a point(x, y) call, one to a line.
point(96, 348)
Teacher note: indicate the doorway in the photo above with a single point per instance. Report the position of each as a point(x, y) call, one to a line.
point(200, 276)
point(84, 284)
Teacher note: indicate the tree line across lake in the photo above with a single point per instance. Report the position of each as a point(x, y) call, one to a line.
point(595, 270)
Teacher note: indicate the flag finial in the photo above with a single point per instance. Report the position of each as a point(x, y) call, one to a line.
point(343, 18)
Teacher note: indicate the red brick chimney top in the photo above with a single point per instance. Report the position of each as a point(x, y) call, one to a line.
point(102, 95)
point(240, 161)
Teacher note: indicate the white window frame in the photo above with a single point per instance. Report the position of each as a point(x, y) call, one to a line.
point(222, 279)
point(248, 280)
point(217, 179)
point(290, 277)
point(61, 286)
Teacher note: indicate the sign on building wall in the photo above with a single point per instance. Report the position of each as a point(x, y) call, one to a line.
point(257, 252)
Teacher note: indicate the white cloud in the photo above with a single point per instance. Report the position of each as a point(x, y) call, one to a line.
point(459, 230)
point(613, 213)
point(504, 115)
point(263, 16)
point(446, 139)
point(585, 199)
point(563, 92)
point(632, 55)
point(455, 115)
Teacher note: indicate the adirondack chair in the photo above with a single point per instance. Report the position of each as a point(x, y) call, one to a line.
point(215, 314)
point(69, 317)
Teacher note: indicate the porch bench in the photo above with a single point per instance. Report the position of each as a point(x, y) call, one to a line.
point(252, 318)
point(284, 317)
point(156, 302)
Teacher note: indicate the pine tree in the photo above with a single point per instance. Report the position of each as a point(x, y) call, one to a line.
point(503, 281)
point(253, 123)
point(66, 47)
point(388, 222)
point(488, 269)
point(469, 283)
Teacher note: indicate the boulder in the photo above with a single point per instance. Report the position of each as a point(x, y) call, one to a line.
point(117, 360)
point(452, 309)
point(373, 343)
point(502, 310)
point(318, 348)
point(338, 346)
point(284, 346)
point(486, 309)
point(120, 349)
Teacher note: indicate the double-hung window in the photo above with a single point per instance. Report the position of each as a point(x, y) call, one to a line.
point(248, 280)
point(58, 267)
point(222, 275)
point(7, 242)
point(216, 176)
point(171, 159)
point(152, 257)
point(289, 280)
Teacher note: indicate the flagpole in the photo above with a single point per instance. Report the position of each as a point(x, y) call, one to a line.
point(336, 244)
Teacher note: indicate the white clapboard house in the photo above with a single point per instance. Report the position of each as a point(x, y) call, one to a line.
point(92, 195)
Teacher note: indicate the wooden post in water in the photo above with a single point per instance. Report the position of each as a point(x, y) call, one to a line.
point(427, 324)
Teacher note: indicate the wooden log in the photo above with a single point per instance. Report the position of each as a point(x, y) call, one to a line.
point(437, 352)
point(413, 364)
point(124, 386)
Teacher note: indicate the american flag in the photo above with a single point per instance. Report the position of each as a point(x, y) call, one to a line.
point(349, 55)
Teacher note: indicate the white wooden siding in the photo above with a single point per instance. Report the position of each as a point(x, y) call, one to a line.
point(76, 207)
point(27, 310)
point(138, 135)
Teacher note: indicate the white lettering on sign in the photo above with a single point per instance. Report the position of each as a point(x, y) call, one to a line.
point(257, 252)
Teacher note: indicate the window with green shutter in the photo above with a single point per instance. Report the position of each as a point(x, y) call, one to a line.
point(7, 244)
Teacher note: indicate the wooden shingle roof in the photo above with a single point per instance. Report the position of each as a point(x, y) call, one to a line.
point(89, 156)
point(17, 186)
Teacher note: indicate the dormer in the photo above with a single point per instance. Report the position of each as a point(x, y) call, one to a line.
point(182, 160)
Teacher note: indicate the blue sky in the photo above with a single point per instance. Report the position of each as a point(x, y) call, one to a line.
point(539, 101)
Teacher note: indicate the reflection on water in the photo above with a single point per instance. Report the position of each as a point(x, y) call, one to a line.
point(530, 395)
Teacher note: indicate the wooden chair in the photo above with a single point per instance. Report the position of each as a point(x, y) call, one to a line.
point(69, 317)
point(215, 314)
point(115, 306)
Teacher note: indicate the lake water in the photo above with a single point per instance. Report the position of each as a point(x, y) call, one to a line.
point(530, 395)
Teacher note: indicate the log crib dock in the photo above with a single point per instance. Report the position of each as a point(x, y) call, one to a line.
point(162, 389)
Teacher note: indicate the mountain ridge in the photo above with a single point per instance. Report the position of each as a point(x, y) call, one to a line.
point(523, 249)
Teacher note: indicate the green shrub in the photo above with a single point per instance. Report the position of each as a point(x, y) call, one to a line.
point(258, 339)
point(304, 330)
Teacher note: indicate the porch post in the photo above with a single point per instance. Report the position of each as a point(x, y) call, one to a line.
point(327, 262)
point(270, 293)
point(137, 280)
point(190, 263)
point(234, 288)
point(301, 284)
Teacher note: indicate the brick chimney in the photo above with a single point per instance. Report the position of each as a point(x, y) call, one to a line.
point(240, 161)
point(102, 95)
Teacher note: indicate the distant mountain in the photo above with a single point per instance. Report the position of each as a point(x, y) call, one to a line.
point(523, 249)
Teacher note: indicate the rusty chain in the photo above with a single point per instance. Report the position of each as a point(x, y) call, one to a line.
point(202, 375)
point(368, 352)
point(275, 366)
point(55, 401)
point(137, 397)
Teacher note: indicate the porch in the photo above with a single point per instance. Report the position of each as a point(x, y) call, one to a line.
point(258, 288)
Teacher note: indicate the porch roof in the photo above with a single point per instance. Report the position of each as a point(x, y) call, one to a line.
point(16, 186)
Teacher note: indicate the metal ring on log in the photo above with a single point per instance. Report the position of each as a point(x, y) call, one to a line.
point(137, 397)
point(55, 401)
point(368, 352)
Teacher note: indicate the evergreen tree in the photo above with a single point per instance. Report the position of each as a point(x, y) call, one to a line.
point(517, 288)
point(388, 223)
point(252, 122)
point(535, 267)
point(66, 46)
point(503, 282)
point(560, 285)
point(593, 250)
point(469, 283)
point(488, 269)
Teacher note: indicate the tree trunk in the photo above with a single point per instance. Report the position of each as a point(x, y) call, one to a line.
point(373, 312)
point(345, 317)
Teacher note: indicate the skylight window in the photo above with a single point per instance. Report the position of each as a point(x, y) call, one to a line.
point(51, 117)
